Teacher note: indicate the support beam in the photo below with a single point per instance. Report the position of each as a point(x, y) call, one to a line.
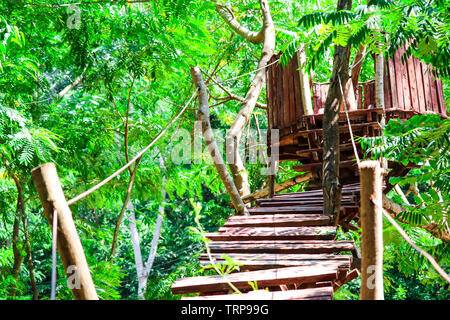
point(69, 245)
point(372, 231)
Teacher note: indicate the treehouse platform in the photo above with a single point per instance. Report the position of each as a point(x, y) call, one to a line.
point(409, 89)
point(287, 248)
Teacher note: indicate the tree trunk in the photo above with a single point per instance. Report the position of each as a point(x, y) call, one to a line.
point(136, 249)
point(357, 65)
point(330, 184)
point(122, 211)
point(18, 258)
point(143, 273)
point(22, 215)
point(216, 155)
point(69, 245)
point(267, 36)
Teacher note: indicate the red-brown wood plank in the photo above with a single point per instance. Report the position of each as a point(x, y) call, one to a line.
point(276, 262)
point(263, 278)
point(440, 95)
point(405, 82)
point(269, 96)
point(275, 256)
point(309, 166)
point(292, 210)
point(367, 98)
point(323, 94)
point(392, 83)
point(398, 79)
point(434, 98)
point(297, 93)
point(386, 87)
point(285, 105)
point(276, 233)
point(318, 192)
point(291, 90)
point(300, 200)
point(286, 203)
point(301, 294)
point(281, 246)
point(420, 91)
point(276, 96)
point(359, 97)
point(426, 87)
point(276, 221)
point(413, 83)
point(316, 98)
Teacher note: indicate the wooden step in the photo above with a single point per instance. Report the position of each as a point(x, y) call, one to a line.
point(275, 256)
point(350, 188)
point(352, 114)
point(310, 166)
point(281, 246)
point(271, 264)
point(287, 203)
point(269, 261)
point(263, 278)
point(324, 293)
point(292, 210)
point(306, 200)
point(277, 233)
point(345, 146)
point(278, 220)
point(290, 139)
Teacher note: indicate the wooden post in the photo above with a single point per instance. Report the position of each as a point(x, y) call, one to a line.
point(372, 231)
point(69, 246)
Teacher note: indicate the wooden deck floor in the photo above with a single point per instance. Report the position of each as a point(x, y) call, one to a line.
point(289, 252)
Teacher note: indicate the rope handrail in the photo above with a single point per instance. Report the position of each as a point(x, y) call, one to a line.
point(348, 121)
point(139, 155)
point(405, 236)
point(160, 134)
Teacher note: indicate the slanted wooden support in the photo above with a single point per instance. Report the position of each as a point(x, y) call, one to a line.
point(372, 231)
point(69, 245)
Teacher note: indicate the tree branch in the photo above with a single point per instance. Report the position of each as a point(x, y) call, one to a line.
point(228, 16)
point(394, 209)
point(216, 155)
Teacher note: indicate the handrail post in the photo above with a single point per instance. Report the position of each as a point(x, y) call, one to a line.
point(372, 231)
point(69, 245)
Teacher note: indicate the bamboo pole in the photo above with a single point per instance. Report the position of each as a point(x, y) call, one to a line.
point(69, 245)
point(372, 231)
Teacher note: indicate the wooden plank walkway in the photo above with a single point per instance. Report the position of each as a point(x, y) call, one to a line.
point(288, 250)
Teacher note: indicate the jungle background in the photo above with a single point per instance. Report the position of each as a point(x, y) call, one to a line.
point(126, 67)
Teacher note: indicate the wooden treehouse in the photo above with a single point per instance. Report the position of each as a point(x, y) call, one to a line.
point(287, 246)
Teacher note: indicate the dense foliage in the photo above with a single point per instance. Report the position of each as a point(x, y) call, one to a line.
point(126, 70)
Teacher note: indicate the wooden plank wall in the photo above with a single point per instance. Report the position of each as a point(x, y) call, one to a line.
point(407, 86)
point(412, 86)
point(283, 95)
